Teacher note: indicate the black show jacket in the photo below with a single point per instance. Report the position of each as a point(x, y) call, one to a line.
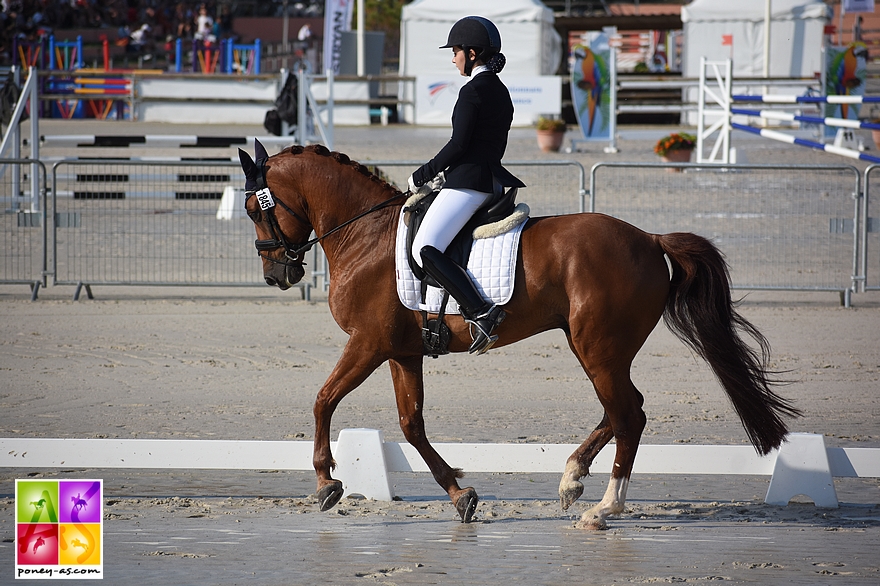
point(480, 122)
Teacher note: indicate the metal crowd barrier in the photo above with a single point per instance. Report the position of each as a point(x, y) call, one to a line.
point(24, 226)
point(870, 241)
point(801, 227)
point(155, 222)
point(791, 227)
point(150, 223)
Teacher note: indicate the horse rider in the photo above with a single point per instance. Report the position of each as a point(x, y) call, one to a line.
point(471, 163)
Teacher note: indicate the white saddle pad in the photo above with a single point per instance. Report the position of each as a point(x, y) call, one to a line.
point(492, 265)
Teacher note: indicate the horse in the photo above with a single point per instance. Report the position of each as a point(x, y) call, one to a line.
point(602, 281)
point(78, 503)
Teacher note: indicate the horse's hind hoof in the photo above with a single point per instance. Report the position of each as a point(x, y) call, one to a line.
point(466, 505)
point(330, 495)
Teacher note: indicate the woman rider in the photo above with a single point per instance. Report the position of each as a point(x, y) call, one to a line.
point(471, 163)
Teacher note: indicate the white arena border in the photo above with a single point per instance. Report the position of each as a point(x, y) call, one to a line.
point(802, 466)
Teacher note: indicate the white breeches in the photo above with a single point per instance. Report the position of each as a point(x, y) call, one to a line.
point(445, 218)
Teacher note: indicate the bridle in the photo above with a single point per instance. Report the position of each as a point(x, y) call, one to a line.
point(293, 253)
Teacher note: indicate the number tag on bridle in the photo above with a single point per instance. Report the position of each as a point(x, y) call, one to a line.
point(264, 197)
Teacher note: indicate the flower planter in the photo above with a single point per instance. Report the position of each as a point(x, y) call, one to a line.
point(677, 156)
point(550, 140)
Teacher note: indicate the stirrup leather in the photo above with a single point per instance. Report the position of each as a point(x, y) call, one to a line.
point(481, 328)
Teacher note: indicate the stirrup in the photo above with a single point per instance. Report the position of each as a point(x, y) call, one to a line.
point(484, 325)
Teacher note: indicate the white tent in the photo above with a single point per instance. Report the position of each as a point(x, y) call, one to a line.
point(528, 40)
point(796, 36)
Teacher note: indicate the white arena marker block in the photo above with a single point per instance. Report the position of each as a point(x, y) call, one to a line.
point(360, 463)
point(802, 468)
point(231, 204)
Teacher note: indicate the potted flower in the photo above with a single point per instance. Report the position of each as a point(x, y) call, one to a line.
point(551, 133)
point(676, 147)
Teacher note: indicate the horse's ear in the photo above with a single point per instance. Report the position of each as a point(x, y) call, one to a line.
point(260, 150)
point(250, 170)
point(247, 164)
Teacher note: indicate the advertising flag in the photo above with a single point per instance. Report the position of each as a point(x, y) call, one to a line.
point(337, 20)
point(591, 86)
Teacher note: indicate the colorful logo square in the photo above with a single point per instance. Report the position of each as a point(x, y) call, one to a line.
point(36, 501)
point(59, 529)
point(37, 544)
point(80, 544)
point(80, 501)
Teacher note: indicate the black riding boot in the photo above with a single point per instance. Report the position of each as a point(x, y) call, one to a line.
point(482, 315)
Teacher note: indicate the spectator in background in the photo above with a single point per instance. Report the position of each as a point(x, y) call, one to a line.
point(204, 26)
point(30, 19)
point(224, 21)
point(183, 19)
point(138, 39)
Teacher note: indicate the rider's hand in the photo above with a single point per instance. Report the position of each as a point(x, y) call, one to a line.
point(423, 190)
point(437, 182)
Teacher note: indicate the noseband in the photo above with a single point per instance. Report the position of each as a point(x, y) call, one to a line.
point(293, 253)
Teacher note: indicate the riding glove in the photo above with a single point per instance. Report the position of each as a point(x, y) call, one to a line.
point(415, 190)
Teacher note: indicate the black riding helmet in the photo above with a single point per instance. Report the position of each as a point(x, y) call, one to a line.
point(477, 33)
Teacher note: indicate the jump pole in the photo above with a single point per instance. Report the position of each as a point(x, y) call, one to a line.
point(778, 99)
point(789, 117)
point(782, 137)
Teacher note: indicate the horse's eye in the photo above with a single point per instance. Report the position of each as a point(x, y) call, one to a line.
point(256, 216)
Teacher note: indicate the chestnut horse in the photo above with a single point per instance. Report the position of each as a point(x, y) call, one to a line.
point(604, 282)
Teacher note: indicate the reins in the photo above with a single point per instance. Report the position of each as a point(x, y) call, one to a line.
point(308, 245)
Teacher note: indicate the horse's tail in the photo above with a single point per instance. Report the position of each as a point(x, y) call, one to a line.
point(700, 312)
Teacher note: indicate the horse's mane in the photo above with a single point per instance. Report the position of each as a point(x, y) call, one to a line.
point(342, 159)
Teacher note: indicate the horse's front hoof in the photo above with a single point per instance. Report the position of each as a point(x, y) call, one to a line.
point(330, 495)
point(466, 505)
point(570, 493)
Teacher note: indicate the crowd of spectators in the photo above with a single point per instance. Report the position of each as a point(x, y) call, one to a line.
point(141, 26)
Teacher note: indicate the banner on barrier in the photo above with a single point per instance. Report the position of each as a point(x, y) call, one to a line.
point(532, 96)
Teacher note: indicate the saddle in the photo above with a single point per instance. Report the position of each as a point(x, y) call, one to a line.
point(501, 205)
point(498, 207)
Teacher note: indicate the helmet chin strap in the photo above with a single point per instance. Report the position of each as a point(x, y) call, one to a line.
point(468, 62)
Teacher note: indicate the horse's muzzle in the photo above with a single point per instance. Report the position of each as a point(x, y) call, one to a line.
point(284, 276)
